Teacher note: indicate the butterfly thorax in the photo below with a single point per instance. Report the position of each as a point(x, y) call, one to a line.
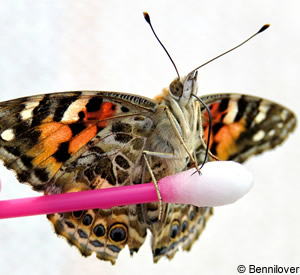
point(183, 119)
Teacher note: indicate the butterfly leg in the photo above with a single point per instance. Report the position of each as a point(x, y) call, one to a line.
point(161, 155)
point(155, 184)
point(171, 119)
point(201, 134)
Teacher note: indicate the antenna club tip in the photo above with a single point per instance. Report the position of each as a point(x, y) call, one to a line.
point(263, 28)
point(147, 17)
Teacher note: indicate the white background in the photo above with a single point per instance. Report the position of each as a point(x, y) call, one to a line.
point(51, 46)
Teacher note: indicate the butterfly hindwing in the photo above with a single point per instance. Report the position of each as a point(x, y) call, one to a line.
point(182, 227)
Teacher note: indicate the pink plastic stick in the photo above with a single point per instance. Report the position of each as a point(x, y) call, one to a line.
point(220, 183)
point(67, 202)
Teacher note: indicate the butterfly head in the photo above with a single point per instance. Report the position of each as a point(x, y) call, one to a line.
point(182, 89)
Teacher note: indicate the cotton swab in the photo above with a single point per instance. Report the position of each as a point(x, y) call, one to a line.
point(221, 182)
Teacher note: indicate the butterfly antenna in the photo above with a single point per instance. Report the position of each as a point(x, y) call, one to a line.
point(147, 18)
point(263, 28)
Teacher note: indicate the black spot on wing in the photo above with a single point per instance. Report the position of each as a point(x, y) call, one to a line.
point(99, 230)
point(81, 115)
point(174, 230)
point(192, 215)
point(13, 150)
point(62, 105)
point(96, 243)
point(122, 162)
point(42, 111)
point(103, 168)
point(89, 173)
point(77, 214)
point(27, 161)
point(96, 149)
point(114, 248)
point(122, 138)
point(87, 220)
point(99, 129)
point(82, 234)
point(124, 109)
point(223, 105)
point(242, 105)
point(70, 224)
point(118, 234)
point(32, 137)
point(62, 154)
point(133, 250)
point(25, 136)
point(173, 245)
point(76, 128)
point(23, 176)
point(213, 148)
point(41, 174)
point(94, 104)
point(184, 226)
point(118, 126)
point(22, 127)
point(160, 251)
point(216, 127)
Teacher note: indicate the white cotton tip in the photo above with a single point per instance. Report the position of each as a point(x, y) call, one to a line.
point(220, 183)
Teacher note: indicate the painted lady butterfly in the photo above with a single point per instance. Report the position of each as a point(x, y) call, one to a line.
point(72, 141)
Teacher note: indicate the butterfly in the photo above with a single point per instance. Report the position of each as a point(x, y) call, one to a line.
point(74, 141)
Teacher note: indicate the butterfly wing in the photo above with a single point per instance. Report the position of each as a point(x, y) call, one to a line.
point(242, 126)
point(76, 141)
point(181, 228)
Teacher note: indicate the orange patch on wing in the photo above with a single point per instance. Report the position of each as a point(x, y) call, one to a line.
point(52, 135)
point(226, 137)
point(216, 115)
point(107, 110)
point(49, 128)
point(82, 138)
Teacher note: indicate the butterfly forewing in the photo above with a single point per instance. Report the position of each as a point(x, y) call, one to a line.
point(77, 141)
point(244, 125)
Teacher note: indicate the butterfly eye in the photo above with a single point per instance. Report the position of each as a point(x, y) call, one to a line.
point(99, 230)
point(118, 233)
point(176, 89)
point(192, 215)
point(174, 229)
point(77, 214)
point(184, 226)
point(87, 220)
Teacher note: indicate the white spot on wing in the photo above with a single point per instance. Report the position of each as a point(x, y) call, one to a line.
point(233, 110)
point(27, 112)
point(258, 136)
point(271, 132)
point(260, 117)
point(284, 114)
point(71, 114)
point(262, 114)
point(8, 135)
